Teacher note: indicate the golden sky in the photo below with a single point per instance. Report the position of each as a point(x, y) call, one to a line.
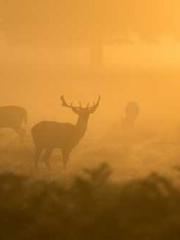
point(48, 22)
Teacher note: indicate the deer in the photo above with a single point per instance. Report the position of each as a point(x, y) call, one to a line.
point(48, 135)
point(13, 117)
point(130, 116)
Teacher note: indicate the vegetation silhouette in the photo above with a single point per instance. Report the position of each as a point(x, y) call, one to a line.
point(13, 117)
point(89, 209)
point(48, 135)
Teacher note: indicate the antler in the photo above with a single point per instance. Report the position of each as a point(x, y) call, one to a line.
point(95, 105)
point(64, 103)
point(76, 109)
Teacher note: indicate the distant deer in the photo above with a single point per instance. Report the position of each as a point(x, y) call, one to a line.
point(128, 124)
point(130, 117)
point(13, 117)
point(49, 135)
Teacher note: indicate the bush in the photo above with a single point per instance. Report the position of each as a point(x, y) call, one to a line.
point(91, 209)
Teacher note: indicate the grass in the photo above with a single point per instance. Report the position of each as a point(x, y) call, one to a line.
point(92, 208)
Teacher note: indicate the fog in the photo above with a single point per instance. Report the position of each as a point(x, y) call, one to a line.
point(121, 50)
point(140, 72)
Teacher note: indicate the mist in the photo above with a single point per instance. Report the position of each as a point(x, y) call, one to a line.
point(89, 119)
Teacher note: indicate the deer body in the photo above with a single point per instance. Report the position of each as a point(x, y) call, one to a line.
point(49, 135)
point(13, 117)
point(56, 135)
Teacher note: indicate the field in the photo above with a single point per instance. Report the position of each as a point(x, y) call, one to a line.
point(108, 191)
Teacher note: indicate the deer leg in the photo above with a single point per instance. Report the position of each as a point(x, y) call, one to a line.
point(65, 157)
point(46, 156)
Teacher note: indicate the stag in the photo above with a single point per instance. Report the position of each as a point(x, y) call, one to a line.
point(48, 135)
point(13, 117)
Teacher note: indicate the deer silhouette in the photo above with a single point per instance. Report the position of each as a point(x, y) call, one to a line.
point(48, 135)
point(130, 116)
point(129, 122)
point(13, 117)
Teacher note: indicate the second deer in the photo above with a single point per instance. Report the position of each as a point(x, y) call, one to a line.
point(48, 135)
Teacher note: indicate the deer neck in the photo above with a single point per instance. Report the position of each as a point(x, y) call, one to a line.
point(81, 126)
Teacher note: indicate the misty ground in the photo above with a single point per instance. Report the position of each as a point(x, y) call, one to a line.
point(134, 158)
